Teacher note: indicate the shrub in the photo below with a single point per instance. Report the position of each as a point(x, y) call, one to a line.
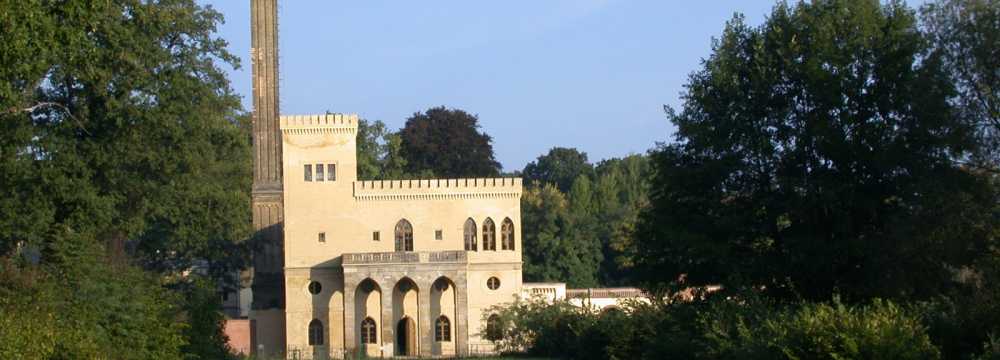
point(740, 327)
point(881, 330)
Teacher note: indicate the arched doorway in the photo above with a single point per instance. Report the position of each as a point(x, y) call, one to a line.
point(405, 308)
point(406, 337)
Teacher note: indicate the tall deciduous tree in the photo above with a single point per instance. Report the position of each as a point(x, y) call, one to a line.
point(561, 167)
point(120, 140)
point(447, 143)
point(543, 214)
point(966, 34)
point(379, 152)
point(814, 155)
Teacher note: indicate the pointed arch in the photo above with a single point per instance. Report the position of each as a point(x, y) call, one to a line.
point(507, 234)
point(315, 333)
point(404, 236)
point(469, 231)
point(489, 235)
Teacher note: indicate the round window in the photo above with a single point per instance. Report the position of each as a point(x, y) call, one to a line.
point(315, 287)
point(493, 283)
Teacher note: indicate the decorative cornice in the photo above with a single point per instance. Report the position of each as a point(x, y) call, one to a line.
point(438, 189)
point(311, 124)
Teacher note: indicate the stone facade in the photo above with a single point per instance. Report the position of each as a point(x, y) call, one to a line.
point(389, 258)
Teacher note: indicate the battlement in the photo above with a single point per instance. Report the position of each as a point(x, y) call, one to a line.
point(484, 188)
point(311, 123)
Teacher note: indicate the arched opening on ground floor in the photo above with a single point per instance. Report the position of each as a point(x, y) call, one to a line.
point(405, 308)
point(368, 314)
point(444, 318)
point(406, 337)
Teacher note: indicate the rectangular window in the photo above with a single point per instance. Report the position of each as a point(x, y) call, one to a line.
point(331, 172)
point(375, 236)
point(309, 173)
point(322, 237)
point(438, 234)
point(319, 172)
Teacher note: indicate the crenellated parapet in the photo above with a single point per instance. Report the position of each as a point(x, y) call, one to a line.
point(309, 124)
point(434, 189)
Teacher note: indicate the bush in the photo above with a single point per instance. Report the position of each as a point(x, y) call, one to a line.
point(881, 330)
point(744, 327)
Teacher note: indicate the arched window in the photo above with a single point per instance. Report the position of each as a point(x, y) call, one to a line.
point(368, 329)
point(315, 333)
point(489, 235)
point(507, 234)
point(494, 331)
point(470, 235)
point(404, 236)
point(442, 331)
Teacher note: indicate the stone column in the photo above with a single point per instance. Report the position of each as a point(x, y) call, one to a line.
point(425, 333)
point(268, 279)
point(461, 314)
point(350, 317)
point(388, 321)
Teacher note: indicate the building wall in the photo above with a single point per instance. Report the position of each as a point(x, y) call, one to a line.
point(347, 212)
point(238, 332)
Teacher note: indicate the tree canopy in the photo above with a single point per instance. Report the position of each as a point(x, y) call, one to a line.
point(447, 143)
point(560, 167)
point(966, 36)
point(122, 149)
point(815, 154)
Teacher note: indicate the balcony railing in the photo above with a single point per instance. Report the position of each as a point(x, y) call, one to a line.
point(608, 293)
point(405, 257)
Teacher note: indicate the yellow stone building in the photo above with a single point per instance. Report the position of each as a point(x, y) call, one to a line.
point(389, 268)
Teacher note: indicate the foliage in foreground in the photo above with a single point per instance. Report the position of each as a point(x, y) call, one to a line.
point(716, 328)
point(124, 163)
point(84, 309)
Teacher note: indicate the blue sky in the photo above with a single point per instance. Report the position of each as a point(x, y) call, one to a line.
point(589, 74)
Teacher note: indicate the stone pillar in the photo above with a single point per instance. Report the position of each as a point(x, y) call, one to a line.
point(425, 333)
point(268, 281)
point(389, 322)
point(461, 314)
point(350, 316)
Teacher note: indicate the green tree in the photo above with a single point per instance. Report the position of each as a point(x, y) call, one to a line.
point(447, 143)
point(581, 237)
point(561, 167)
point(379, 152)
point(121, 144)
point(966, 35)
point(371, 149)
point(543, 214)
point(204, 332)
point(560, 235)
point(814, 155)
point(621, 194)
